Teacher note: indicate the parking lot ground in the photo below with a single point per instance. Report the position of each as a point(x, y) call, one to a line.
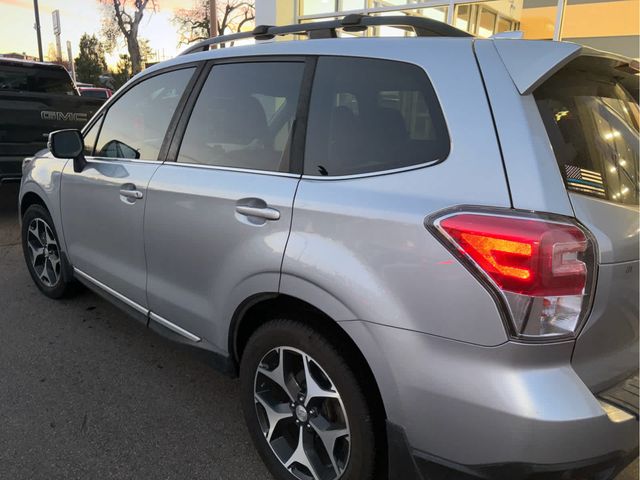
point(87, 393)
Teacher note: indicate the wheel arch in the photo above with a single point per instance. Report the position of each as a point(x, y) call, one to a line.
point(259, 309)
point(32, 198)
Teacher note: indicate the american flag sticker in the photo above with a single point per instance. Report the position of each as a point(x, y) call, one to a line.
point(585, 181)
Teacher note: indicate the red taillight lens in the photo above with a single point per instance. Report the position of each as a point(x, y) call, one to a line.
point(543, 269)
point(530, 257)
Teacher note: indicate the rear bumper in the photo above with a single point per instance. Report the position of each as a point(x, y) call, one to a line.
point(10, 168)
point(513, 408)
point(416, 466)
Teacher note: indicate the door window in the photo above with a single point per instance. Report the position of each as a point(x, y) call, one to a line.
point(244, 116)
point(91, 136)
point(136, 124)
point(372, 115)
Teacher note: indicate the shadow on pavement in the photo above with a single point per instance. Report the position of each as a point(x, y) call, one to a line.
point(9, 228)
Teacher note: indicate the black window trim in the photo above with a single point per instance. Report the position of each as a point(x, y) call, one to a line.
point(102, 113)
point(98, 118)
point(298, 131)
point(388, 171)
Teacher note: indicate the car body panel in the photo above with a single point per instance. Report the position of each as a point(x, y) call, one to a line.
point(473, 405)
point(535, 182)
point(607, 348)
point(615, 226)
point(103, 230)
point(531, 63)
point(41, 177)
point(199, 249)
point(363, 239)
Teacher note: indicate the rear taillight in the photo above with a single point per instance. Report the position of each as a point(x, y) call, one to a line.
point(542, 269)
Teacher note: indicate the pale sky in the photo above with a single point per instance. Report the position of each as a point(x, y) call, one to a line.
point(77, 17)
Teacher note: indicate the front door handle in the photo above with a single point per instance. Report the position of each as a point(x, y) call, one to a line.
point(261, 212)
point(133, 194)
point(129, 193)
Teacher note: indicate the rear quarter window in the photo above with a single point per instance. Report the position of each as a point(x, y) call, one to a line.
point(592, 123)
point(369, 115)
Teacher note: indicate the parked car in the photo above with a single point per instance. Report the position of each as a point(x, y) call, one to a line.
point(35, 98)
point(420, 255)
point(96, 92)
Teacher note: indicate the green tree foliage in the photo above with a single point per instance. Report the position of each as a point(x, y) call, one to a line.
point(123, 71)
point(90, 62)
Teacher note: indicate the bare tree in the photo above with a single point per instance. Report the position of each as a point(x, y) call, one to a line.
point(122, 17)
point(194, 23)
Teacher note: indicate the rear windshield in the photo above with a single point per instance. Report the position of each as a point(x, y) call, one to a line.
point(592, 122)
point(34, 79)
point(94, 93)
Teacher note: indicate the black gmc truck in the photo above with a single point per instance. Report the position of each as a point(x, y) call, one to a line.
point(35, 99)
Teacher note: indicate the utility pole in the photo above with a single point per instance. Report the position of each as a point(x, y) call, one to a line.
point(213, 19)
point(37, 27)
point(70, 56)
point(56, 30)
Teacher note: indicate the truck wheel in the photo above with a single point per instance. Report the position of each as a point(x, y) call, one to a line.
point(42, 252)
point(304, 407)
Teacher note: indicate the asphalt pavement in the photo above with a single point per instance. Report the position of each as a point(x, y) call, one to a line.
point(88, 393)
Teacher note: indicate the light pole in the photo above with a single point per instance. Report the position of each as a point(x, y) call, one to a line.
point(37, 25)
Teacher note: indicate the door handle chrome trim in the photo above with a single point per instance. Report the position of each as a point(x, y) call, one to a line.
point(133, 194)
point(111, 291)
point(261, 212)
point(173, 327)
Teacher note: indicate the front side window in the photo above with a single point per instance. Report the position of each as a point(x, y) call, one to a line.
point(90, 137)
point(592, 122)
point(136, 124)
point(372, 115)
point(244, 116)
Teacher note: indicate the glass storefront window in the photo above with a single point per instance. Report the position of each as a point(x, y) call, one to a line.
point(487, 18)
point(317, 7)
point(486, 23)
point(436, 13)
point(462, 18)
point(346, 5)
point(503, 25)
point(391, 3)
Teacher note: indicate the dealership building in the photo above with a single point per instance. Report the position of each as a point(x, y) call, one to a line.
point(611, 25)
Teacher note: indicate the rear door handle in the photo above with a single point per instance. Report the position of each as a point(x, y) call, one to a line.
point(261, 212)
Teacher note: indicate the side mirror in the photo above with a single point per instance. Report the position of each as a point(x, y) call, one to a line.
point(68, 144)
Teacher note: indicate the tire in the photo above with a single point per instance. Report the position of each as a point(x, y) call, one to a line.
point(334, 405)
point(42, 252)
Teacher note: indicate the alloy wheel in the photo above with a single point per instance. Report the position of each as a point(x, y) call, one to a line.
point(302, 415)
point(44, 252)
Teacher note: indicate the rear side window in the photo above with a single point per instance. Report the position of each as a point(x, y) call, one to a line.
point(372, 115)
point(135, 125)
point(244, 116)
point(36, 79)
point(592, 122)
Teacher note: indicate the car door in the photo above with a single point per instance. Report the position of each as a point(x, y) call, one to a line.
point(218, 217)
point(103, 205)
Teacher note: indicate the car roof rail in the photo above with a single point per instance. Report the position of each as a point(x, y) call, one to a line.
point(423, 27)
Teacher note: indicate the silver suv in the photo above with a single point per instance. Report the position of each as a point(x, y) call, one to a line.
point(420, 255)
